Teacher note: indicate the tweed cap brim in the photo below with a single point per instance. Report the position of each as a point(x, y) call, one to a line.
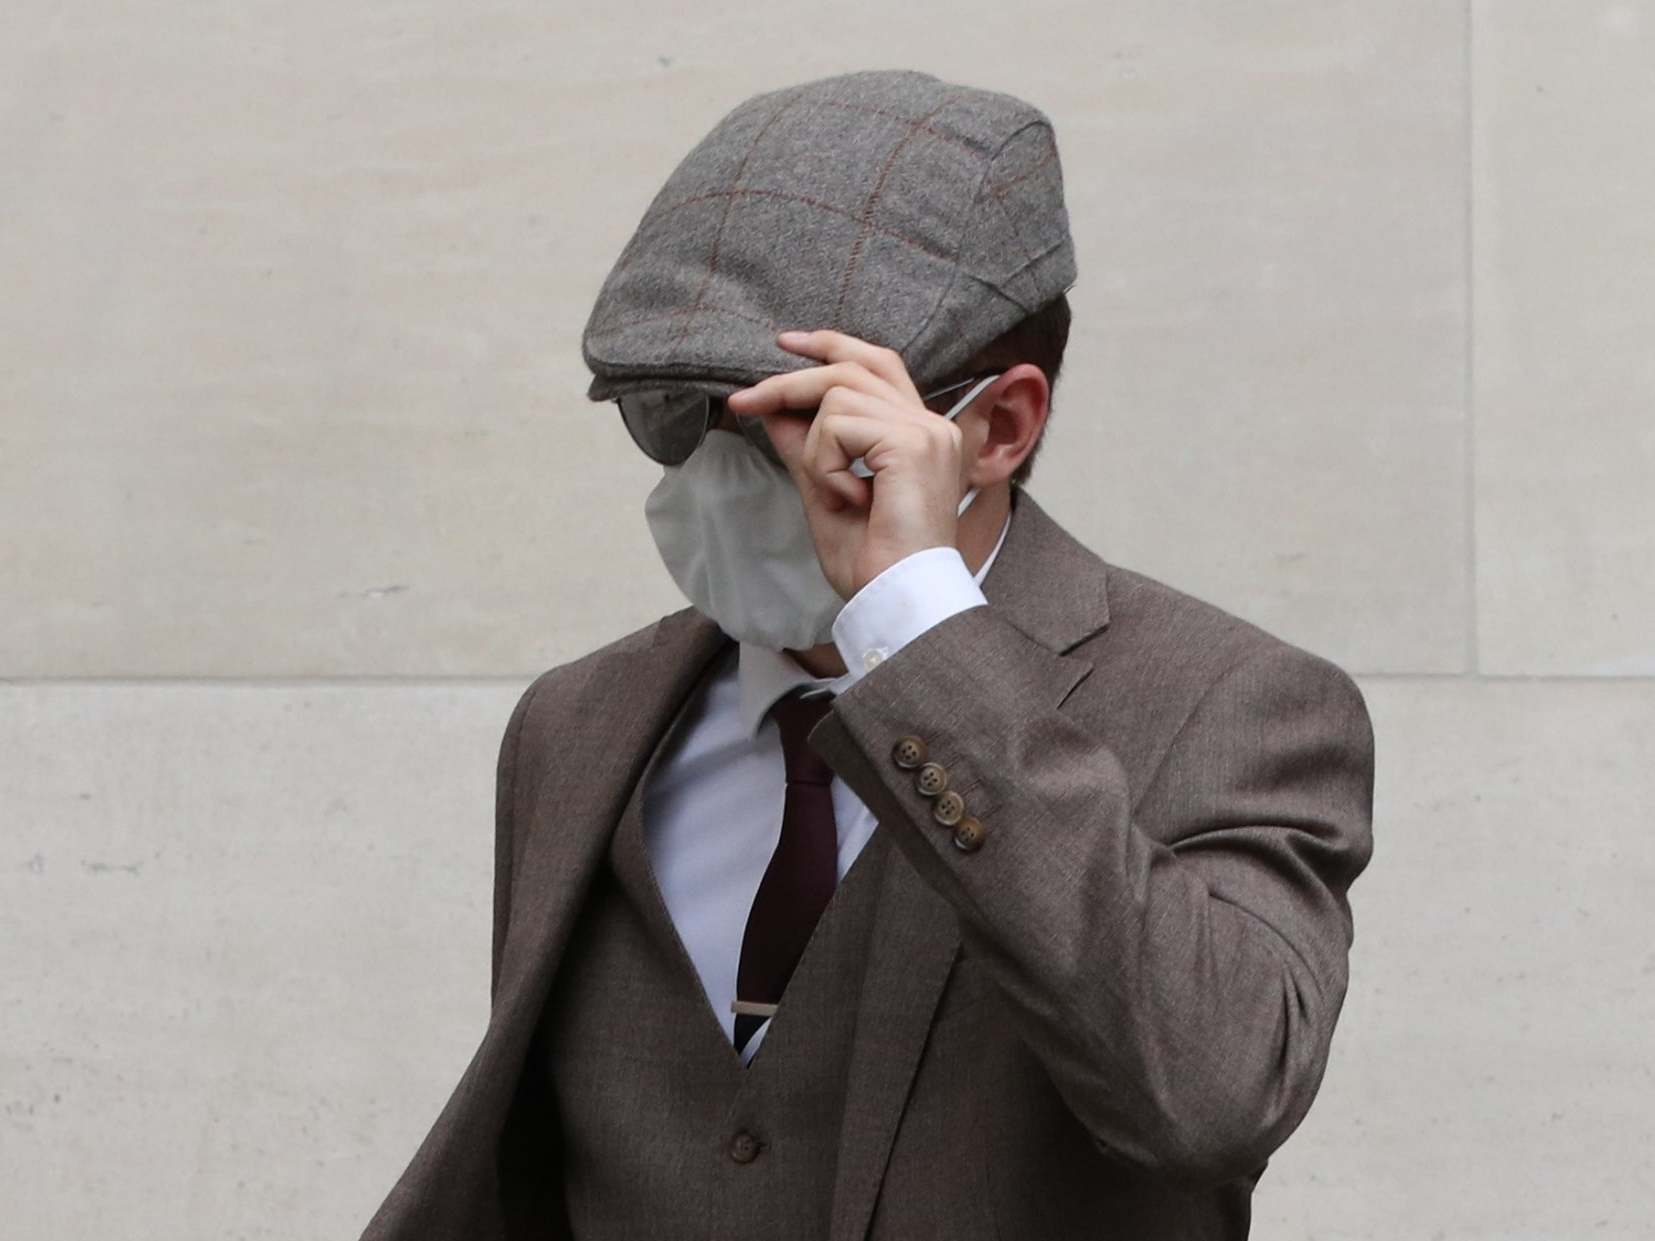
point(911, 212)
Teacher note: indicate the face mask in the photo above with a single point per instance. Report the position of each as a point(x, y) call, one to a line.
point(732, 531)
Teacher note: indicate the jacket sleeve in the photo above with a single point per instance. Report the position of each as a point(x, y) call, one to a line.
point(1175, 954)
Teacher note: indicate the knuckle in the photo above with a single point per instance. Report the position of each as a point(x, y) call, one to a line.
point(945, 431)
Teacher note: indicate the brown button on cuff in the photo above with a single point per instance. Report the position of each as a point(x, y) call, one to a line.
point(969, 833)
point(908, 753)
point(932, 779)
point(948, 808)
point(744, 1147)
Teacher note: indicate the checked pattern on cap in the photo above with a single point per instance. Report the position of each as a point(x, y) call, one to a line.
point(887, 204)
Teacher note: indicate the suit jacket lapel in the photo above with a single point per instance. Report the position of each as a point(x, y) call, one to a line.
point(612, 726)
point(915, 938)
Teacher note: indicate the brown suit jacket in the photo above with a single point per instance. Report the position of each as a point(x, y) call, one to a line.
point(1136, 976)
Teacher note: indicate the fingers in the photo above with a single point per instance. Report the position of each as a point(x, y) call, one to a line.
point(847, 361)
point(807, 389)
point(851, 425)
point(831, 346)
point(866, 407)
point(801, 447)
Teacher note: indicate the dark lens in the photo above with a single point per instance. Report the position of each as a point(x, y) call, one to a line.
point(667, 423)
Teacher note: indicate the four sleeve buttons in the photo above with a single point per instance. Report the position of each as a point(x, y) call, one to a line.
point(947, 805)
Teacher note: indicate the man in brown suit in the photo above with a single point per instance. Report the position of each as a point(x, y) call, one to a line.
point(1078, 969)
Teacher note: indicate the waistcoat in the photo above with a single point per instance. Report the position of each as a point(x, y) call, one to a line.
point(661, 1124)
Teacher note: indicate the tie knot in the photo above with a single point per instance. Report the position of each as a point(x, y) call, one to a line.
point(795, 717)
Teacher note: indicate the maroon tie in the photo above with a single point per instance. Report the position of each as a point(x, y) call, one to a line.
point(803, 870)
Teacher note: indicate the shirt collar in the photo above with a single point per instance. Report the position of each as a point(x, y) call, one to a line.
point(764, 675)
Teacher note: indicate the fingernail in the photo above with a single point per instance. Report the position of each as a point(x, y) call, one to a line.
point(792, 335)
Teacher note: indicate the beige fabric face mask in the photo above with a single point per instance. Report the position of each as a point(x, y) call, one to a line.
point(731, 530)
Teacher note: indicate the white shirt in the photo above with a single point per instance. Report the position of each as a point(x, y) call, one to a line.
point(713, 811)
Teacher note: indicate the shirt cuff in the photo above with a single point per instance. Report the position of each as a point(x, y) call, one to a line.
point(901, 603)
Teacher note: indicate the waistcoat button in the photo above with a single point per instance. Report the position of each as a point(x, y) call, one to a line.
point(744, 1147)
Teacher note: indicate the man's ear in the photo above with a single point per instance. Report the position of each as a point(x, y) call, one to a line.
point(1014, 419)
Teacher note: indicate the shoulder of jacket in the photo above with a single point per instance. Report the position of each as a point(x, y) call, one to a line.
point(1185, 645)
point(560, 682)
point(1149, 616)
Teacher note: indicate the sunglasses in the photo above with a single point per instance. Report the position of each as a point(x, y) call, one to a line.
point(668, 424)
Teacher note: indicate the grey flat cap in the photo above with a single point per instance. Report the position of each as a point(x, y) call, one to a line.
point(911, 212)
